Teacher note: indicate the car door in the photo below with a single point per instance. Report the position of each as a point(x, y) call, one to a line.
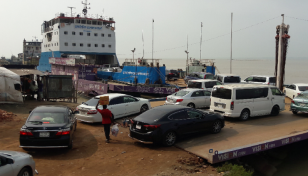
point(289, 91)
point(117, 107)
point(199, 122)
point(278, 98)
point(132, 105)
point(5, 168)
point(207, 96)
point(180, 122)
point(198, 98)
point(261, 102)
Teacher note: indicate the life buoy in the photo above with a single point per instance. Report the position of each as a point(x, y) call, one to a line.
point(112, 28)
point(62, 24)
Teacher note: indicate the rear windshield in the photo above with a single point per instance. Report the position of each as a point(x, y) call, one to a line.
point(47, 117)
point(152, 115)
point(272, 80)
point(194, 84)
point(232, 79)
point(92, 102)
point(181, 93)
point(210, 84)
point(302, 88)
point(221, 93)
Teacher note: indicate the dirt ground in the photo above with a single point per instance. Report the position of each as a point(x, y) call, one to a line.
point(92, 156)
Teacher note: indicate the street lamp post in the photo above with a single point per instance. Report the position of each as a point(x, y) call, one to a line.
point(187, 62)
point(135, 63)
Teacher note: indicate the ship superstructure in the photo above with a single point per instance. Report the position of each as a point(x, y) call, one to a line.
point(92, 37)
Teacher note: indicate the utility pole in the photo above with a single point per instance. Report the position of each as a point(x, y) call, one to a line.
point(231, 44)
point(186, 51)
point(201, 41)
point(281, 55)
point(71, 10)
point(152, 41)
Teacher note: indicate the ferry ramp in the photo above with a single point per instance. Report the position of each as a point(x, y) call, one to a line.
point(240, 138)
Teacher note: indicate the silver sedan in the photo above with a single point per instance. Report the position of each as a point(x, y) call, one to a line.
point(16, 164)
point(194, 98)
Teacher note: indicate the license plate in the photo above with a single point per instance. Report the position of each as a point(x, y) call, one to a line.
point(44, 134)
point(138, 127)
point(220, 106)
point(303, 104)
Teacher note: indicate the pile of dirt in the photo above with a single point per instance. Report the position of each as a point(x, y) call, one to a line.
point(6, 116)
point(197, 165)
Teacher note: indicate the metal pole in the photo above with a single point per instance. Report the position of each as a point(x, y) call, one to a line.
point(280, 56)
point(201, 41)
point(152, 41)
point(231, 43)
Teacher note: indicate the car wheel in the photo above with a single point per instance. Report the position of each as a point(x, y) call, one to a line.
point(144, 108)
point(275, 111)
point(245, 114)
point(294, 112)
point(191, 105)
point(24, 172)
point(169, 138)
point(216, 127)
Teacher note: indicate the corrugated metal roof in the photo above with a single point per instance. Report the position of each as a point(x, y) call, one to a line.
point(22, 72)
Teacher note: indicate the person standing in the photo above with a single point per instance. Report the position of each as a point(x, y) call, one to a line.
point(106, 120)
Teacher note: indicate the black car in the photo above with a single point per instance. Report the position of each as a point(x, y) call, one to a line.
point(48, 127)
point(164, 124)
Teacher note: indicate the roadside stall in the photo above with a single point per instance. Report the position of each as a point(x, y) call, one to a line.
point(10, 87)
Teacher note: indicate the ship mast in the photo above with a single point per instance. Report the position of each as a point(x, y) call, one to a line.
point(85, 8)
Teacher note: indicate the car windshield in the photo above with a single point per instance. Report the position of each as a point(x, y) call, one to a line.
point(180, 93)
point(47, 117)
point(92, 102)
point(232, 79)
point(303, 88)
point(194, 84)
point(221, 93)
point(303, 95)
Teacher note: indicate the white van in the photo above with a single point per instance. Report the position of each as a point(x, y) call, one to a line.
point(247, 100)
point(260, 79)
point(228, 78)
point(206, 84)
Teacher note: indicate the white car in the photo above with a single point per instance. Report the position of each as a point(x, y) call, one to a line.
point(120, 105)
point(16, 164)
point(293, 90)
point(260, 79)
point(194, 98)
point(206, 84)
point(228, 78)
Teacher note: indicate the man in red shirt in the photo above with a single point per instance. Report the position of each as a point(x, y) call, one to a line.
point(106, 120)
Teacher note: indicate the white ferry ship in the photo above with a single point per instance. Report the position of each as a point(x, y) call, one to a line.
point(92, 37)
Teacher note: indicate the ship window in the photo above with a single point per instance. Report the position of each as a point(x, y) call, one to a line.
point(109, 46)
point(48, 45)
point(57, 44)
point(73, 33)
point(95, 45)
point(83, 21)
point(100, 23)
point(89, 45)
point(65, 32)
point(94, 22)
point(66, 44)
point(81, 33)
point(95, 34)
point(81, 44)
point(51, 44)
point(109, 35)
point(88, 34)
point(103, 45)
point(88, 21)
point(77, 21)
point(103, 35)
point(74, 44)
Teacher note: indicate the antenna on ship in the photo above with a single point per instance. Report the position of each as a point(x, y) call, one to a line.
point(85, 8)
point(201, 40)
point(72, 10)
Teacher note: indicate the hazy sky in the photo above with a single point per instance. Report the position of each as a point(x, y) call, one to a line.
point(174, 20)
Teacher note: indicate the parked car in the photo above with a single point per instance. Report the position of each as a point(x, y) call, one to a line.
point(206, 84)
point(198, 75)
point(165, 124)
point(172, 74)
point(16, 164)
point(120, 105)
point(48, 127)
point(260, 79)
point(247, 100)
point(228, 78)
point(293, 90)
point(300, 103)
point(194, 98)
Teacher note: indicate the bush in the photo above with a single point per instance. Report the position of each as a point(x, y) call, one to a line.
point(234, 170)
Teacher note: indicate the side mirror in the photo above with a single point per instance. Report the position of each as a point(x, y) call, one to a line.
point(9, 161)
point(30, 112)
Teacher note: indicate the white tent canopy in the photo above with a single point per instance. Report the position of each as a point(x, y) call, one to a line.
point(9, 87)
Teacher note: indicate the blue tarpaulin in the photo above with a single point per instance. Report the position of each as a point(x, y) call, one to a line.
point(210, 69)
point(141, 73)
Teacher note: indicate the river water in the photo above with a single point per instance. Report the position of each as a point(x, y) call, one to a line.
point(296, 69)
